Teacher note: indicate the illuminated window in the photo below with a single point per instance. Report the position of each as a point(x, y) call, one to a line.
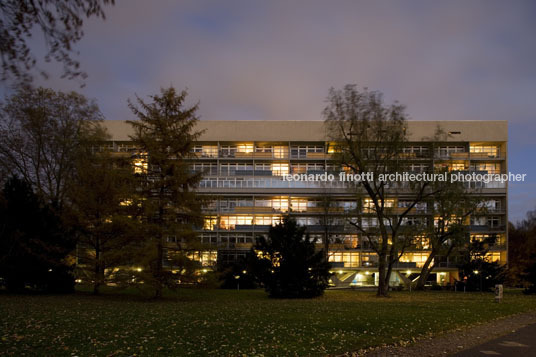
point(230, 222)
point(280, 169)
point(280, 152)
point(244, 148)
point(368, 205)
point(491, 151)
point(280, 203)
point(421, 242)
point(267, 220)
point(446, 221)
point(490, 168)
point(418, 258)
point(298, 204)
point(348, 240)
point(333, 148)
point(491, 239)
point(206, 258)
point(276, 203)
point(210, 223)
point(126, 203)
point(492, 257)
point(140, 164)
point(457, 167)
point(350, 259)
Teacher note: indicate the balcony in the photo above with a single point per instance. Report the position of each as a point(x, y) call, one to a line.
point(404, 265)
point(487, 228)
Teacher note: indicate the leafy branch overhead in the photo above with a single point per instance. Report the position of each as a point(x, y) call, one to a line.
point(58, 22)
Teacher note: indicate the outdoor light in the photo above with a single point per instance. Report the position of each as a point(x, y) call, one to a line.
point(237, 277)
point(367, 272)
point(139, 269)
point(476, 271)
point(204, 270)
point(408, 272)
point(244, 272)
point(340, 271)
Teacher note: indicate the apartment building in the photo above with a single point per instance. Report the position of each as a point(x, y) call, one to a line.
point(245, 164)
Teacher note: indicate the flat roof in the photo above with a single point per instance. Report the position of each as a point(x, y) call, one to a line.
point(314, 130)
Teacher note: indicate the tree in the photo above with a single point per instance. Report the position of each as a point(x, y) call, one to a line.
point(522, 250)
point(165, 135)
point(482, 275)
point(370, 137)
point(529, 275)
point(450, 206)
point(59, 22)
point(289, 266)
point(104, 212)
point(35, 254)
point(42, 132)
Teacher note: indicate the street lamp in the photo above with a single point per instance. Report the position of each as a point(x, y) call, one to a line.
point(237, 277)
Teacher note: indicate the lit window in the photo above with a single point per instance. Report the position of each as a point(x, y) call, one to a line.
point(230, 222)
point(280, 169)
point(491, 151)
point(140, 164)
point(210, 223)
point(244, 148)
point(280, 152)
point(418, 258)
point(298, 204)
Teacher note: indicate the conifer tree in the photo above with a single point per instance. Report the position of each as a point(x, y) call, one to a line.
point(164, 135)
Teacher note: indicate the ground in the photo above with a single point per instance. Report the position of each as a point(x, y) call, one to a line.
point(228, 322)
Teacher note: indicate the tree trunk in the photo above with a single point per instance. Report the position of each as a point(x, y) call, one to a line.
point(159, 269)
point(425, 272)
point(326, 245)
point(383, 289)
point(99, 270)
point(388, 275)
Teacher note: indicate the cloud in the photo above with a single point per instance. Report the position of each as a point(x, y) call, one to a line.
point(276, 60)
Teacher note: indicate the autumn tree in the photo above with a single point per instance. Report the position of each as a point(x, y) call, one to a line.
point(371, 137)
point(522, 251)
point(165, 134)
point(42, 131)
point(104, 212)
point(450, 206)
point(58, 22)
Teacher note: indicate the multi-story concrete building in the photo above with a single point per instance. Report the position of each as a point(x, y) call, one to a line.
point(245, 163)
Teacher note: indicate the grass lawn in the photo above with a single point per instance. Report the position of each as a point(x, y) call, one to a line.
point(226, 322)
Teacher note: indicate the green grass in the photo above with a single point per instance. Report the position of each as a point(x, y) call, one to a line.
point(219, 322)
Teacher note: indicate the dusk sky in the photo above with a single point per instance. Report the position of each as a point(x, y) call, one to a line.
point(276, 60)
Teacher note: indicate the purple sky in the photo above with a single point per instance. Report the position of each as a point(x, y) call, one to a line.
point(448, 60)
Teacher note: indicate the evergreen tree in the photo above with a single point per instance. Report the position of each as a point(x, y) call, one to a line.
point(165, 134)
point(288, 264)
